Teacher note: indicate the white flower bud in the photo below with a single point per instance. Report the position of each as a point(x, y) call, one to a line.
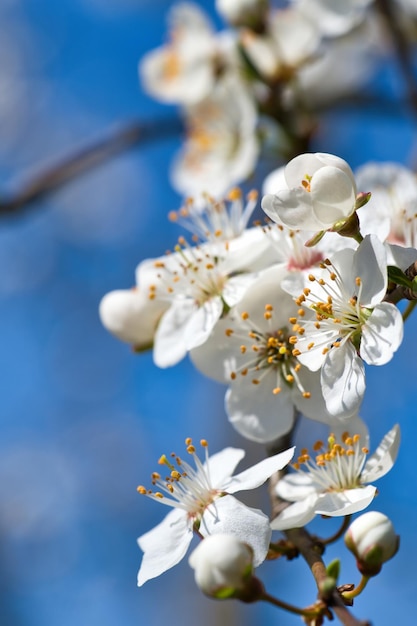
point(222, 565)
point(131, 316)
point(372, 539)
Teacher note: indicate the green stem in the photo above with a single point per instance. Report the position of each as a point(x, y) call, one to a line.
point(289, 607)
point(349, 595)
point(409, 309)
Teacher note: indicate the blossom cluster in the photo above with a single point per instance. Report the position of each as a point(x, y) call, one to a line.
point(247, 87)
point(286, 313)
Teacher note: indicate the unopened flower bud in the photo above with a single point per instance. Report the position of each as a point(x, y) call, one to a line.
point(372, 539)
point(222, 566)
point(131, 316)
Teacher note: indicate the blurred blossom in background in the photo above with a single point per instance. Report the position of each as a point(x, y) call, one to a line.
point(84, 420)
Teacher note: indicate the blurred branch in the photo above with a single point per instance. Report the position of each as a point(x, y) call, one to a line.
point(402, 48)
point(87, 158)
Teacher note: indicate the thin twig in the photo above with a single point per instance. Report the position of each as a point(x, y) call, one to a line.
point(88, 157)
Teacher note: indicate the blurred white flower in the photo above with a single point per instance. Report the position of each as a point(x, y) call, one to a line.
point(335, 482)
point(334, 17)
point(185, 70)
point(202, 502)
point(221, 147)
point(289, 42)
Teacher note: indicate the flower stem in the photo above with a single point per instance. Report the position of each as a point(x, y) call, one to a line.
point(289, 607)
point(349, 595)
point(409, 309)
point(337, 534)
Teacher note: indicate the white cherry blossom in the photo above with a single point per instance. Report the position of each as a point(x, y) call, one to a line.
point(184, 70)
point(352, 323)
point(336, 481)
point(392, 210)
point(251, 350)
point(289, 41)
point(334, 17)
point(202, 500)
point(320, 192)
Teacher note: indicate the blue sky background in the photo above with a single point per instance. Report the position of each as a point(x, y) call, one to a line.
point(83, 420)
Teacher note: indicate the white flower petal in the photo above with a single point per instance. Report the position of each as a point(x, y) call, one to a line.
point(382, 460)
point(228, 515)
point(296, 515)
point(257, 474)
point(256, 413)
point(370, 264)
point(291, 207)
point(165, 545)
point(343, 380)
point(382, 334)
point(202, 322)
point(222, 465)
point(295, 486)
point(169, 342)
point(333, 195)
point(345, 502)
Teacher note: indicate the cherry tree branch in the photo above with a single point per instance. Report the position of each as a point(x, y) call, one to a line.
point(85, 159)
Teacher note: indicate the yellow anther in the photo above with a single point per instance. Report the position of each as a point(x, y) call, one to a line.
point(204, 443)
point(158, 494)
point(173, 216)
point(255, 381)
point(269, 307)
point(190, 449)
point(244, 372)
point(228, 332)
point(289, 378)
point(233, 375)
point(188, 441)
point(318, 446)
point(252, 195)
point(276, 391)
point(365, 450)
point(245, 315)
point(141, 489)
point(267, 315)
point(283, 350)
point(293, 320)
point(156, 476)
point(358, 281)
point(306, 394)
point(234, 194)
point(311, 278)
point(292, 340)
point(243, 349)
point(175, 475)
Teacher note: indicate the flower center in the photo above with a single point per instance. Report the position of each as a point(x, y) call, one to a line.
point(336, 311)
point(195, 273)
point(338, 465)
point(186, 487)
point(267, 351)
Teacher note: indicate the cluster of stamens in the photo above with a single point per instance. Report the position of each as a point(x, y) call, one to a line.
point(267, 351)
point(338, 465)
point(185, 487)
point(339, 314)
point(217, 220)
point(195, 274)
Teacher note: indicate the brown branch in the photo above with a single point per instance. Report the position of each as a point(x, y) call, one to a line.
point(85, 159)
point(308, 547)
point(401, 47)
